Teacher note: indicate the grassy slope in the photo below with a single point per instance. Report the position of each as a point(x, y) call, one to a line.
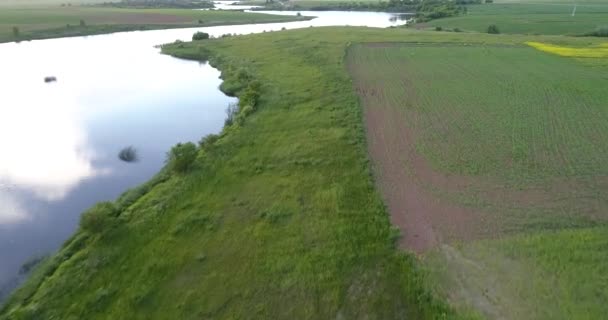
point(279, 220)
point(50, 22)
point(535, 121)
point(531, 18)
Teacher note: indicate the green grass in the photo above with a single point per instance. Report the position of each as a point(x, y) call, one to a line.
point(550, 275)
point(550, 17)
point(50, 22)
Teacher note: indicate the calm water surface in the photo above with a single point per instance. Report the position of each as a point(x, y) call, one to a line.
point(59, 141)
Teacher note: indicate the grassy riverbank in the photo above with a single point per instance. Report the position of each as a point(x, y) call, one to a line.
point(54, 22)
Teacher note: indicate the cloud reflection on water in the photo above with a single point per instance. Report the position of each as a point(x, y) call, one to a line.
point(43, 146)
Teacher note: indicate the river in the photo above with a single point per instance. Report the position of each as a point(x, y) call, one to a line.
point(60, 140)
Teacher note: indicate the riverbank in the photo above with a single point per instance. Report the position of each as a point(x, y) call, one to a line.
point(278, 218)
point(23, 24)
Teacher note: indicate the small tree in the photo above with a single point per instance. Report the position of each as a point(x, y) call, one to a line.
point(181, 157)
point(82, 23)
point(493, 29)
point(200, 36)
point(16, 32)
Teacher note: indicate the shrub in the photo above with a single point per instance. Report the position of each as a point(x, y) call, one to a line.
point(438, 28)
point(182, 156)
point(100, 217)
point(250, 96)
point(208, 141)
point(489, 1)
point(457, 30)
point(299, 14)
point(16, 32)
point(200, 21)
point(200, 36)
point(247, 110)
point(82, 23)
point(493, 29)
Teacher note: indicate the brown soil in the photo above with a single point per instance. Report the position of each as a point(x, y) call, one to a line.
point(425, 219)
point(403, 177)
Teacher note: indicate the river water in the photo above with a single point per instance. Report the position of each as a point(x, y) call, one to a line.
point(59, 141)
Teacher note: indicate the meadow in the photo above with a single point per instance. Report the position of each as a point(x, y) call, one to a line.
point(531, 17)
point(40, 22)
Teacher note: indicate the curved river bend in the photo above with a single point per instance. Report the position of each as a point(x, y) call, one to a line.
point(59, 141)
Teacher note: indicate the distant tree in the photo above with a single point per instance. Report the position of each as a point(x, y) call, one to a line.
point(493, 29)
point(599, 32)
point(16, 32)
point(200, 36)
point(82, 23)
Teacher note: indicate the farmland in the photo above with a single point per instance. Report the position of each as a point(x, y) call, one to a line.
point(55, 21)
point(531, 17)
point(486, 142)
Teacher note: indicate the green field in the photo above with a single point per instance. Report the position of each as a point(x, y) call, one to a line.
point(514, 140)
point(547, 275)
point(531, 17)
point(51, 22)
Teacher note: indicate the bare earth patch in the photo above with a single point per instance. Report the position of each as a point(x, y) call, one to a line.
point(425, 219)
